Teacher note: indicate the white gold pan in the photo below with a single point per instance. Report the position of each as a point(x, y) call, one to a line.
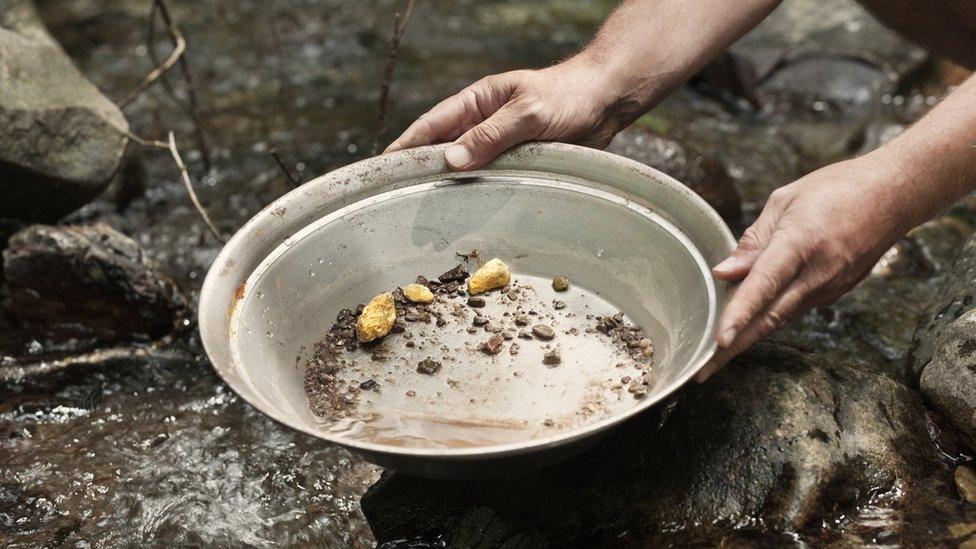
point(627, 236)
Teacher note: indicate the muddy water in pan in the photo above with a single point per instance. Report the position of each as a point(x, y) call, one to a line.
point(512, 365)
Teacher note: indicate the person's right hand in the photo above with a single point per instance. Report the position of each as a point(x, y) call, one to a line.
point(573, 102)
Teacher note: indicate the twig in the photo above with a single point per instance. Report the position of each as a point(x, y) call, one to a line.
point(294, 180)
point(179, 46)
point(151, 48)
point(189, 189)
point(399, 26)
point(191, 106)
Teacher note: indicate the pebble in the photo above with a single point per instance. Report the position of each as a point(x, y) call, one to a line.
point(479, 321)
point(524, 334)
point(494, 328)
point(559, 305)
point(494, 345)
point(369, 385)
point(411, 393)
point(508, 335)
point(512, 295)
point(513, 349)
point(543, 332)
point(476, 302)
point(552, 357)
point(418, 293)
point(428, 366)
point(493, 274)
point(560, 284)
point(521, 320)
point(548, 423)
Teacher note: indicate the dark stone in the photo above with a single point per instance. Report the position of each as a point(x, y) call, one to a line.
point(957, 295)
point(89, 282)
point(685, 162)
point(777, 441)
point(61, 140)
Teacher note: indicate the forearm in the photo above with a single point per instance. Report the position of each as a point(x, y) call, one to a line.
point(933, 163)
point(647, 48)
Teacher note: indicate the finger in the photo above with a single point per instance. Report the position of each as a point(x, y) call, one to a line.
point(772, 271)
point(511, 125)
point(754, 239)
point(783, 309)
point(447, 120)
point(457, 114)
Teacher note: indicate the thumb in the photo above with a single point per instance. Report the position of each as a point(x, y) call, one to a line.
point(508, 127)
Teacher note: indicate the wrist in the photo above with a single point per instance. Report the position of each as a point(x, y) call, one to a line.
point(621, 97)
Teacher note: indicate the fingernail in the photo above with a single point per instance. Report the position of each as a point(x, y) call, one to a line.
point(457, 156)
point(726, 338)
point(728, 264)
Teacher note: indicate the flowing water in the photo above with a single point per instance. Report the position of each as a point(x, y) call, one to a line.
point(154, 448)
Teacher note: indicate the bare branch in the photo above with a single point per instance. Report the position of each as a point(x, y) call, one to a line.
point(294, 180)
point(162, 8)
point(178, 48)
point(399, 26)
point(189, 189)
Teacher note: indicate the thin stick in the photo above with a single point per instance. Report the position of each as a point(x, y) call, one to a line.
point(399, 26)
point(151, 48)
point(192, 109)
point(179, 46)
point(189, 189)
point(294, 180)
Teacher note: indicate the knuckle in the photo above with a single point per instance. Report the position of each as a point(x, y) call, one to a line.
point(486, 135)
point(534, 114)
point(750, 239)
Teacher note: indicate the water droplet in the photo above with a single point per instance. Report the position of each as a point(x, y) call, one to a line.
point(270, 335)
point(260, 295)
point(599, 253)
point(311, 273)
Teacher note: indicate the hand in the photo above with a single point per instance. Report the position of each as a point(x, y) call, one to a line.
point(572, 102)
point(814, 240)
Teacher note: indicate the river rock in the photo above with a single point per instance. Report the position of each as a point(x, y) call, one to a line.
point(686, 163)
point(956, 296)
point(949, 380)
point(89, 282)
point(61, 140)
point(825, 58)
point(779, 441)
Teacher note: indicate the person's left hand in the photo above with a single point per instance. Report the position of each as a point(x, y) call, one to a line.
point(814, 240)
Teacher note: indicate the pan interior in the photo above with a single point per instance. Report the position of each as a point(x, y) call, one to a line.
point(618, 255)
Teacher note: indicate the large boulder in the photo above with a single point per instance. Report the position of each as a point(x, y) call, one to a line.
point(89, 283)
point(777, 444)
point(949, 380)
point(686, 163)
point(61, 140)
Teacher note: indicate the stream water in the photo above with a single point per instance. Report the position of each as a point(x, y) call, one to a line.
point(155, 448)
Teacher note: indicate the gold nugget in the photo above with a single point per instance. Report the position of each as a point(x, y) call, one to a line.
point(418, 293)
point(490, 276)
point(377, 318)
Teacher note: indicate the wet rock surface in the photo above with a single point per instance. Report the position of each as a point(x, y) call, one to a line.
point(704, 174)
point(61, 140)
point(956, 296)
point(89, 283)
point(778, 442)
point(949, 380)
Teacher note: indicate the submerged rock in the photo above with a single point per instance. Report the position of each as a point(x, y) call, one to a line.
point(89, 282)
point(61, 140)
point(949, 380)
point(686, 163)
point(779, 441)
